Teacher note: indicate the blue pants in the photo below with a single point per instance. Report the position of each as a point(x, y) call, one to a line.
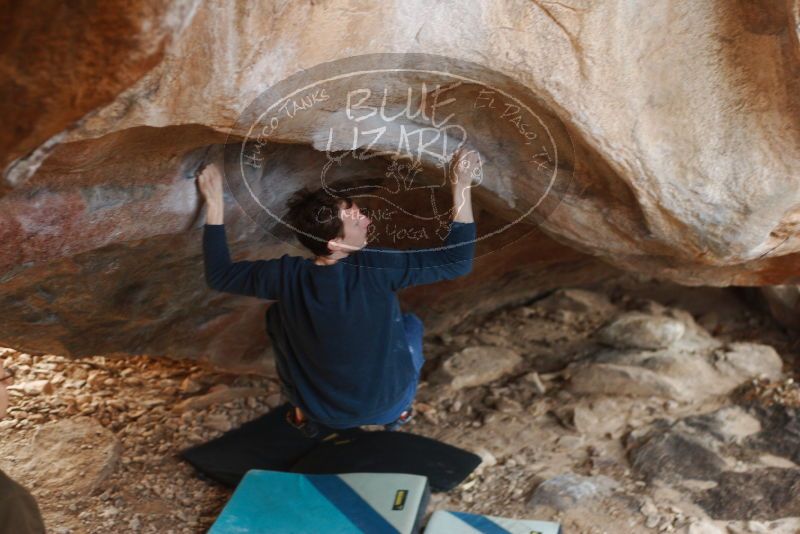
point(414, 331)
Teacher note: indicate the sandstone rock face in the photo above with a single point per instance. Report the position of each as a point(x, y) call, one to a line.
point(569, 490)
point(714, 458)
point(642, 331)
point(693, 366)
point(475, 366)
point(677, 145)
point(578, 301)
point(70, 457)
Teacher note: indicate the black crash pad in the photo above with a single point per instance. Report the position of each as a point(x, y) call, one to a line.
point(270, 442)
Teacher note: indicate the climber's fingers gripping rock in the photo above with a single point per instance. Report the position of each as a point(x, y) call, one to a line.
point(210, 183)
point(466, 169)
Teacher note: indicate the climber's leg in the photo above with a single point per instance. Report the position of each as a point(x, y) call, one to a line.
point(268, 442)
point(414, 330)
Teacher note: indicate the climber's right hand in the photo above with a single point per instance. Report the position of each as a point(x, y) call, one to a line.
point(210, 184)
point(465, 169)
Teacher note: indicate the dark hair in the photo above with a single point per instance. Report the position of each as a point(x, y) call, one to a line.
point(317, 213)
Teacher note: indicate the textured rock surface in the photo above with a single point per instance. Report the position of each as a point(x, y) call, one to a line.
point(642, 331)
point(570, 490)
point(690, 367)
point(714, 456)
point(72, 457)
point(683, 119)
point(475, 366)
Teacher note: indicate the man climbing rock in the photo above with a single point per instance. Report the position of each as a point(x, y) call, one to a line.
point(346, 355)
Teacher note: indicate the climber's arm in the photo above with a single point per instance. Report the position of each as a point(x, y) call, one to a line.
point(260, 278)
point(454, 259)
point(401, 269)
point(466, 173)
point(210, 183)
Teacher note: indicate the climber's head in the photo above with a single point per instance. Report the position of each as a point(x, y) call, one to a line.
point(337, 222)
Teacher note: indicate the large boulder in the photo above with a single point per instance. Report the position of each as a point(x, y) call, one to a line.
point(637, 330)
point(717, 459)
point(570, 490)
point(476, 366)
point(663, 150)
point(669, 356)
point(70, 457)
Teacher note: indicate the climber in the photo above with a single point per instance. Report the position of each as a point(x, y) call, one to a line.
point(345, 354)
point(19, 512)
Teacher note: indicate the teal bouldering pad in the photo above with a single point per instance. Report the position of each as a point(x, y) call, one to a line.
point(444, 522)
point(278, 502)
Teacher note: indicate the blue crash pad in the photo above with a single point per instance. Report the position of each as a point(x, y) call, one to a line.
point(278, 502)
point(444, 522)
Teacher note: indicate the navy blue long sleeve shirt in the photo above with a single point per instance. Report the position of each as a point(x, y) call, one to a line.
point(337, 330)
